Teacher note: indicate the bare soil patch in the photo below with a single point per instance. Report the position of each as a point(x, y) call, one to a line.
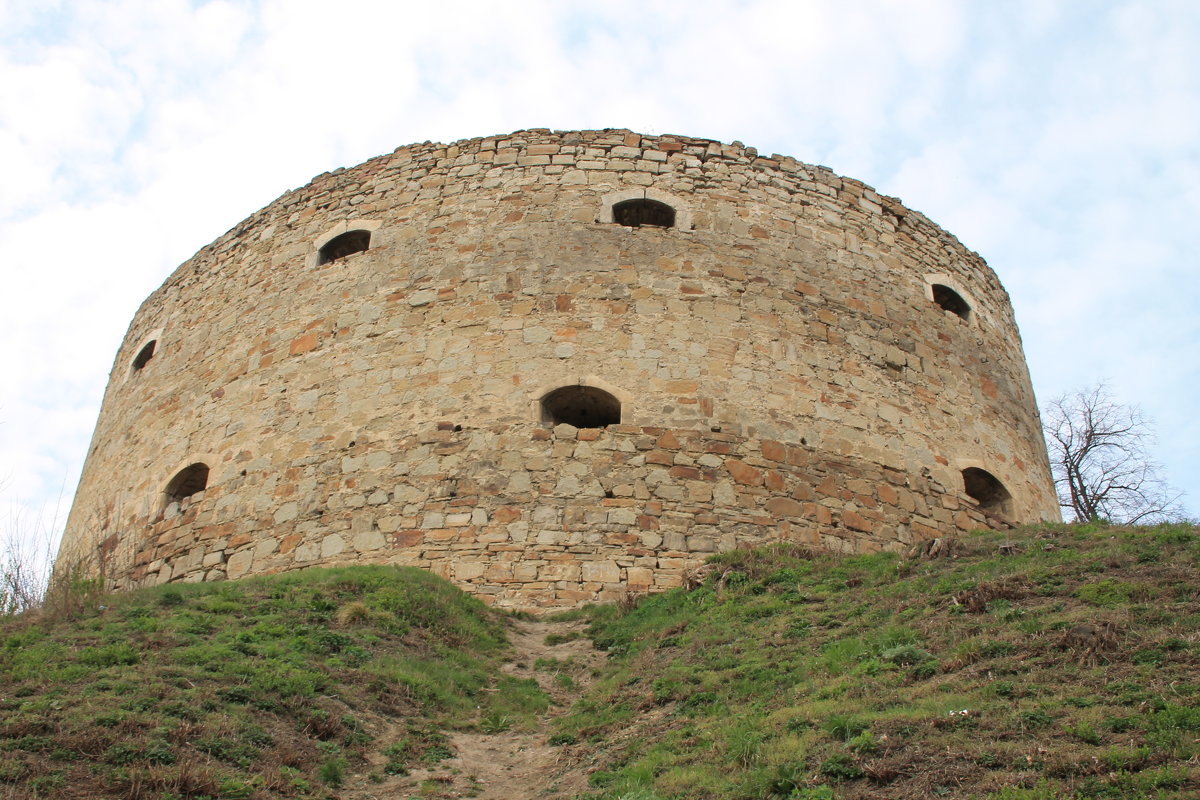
point(510, 763)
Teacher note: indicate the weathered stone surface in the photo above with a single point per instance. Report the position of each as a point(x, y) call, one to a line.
point(332, 545)
point(286, 513)
point(744, 473)
point(239, 563)
point(601, 571)
point(784, 507)
point(369, 540)
point(782, 368)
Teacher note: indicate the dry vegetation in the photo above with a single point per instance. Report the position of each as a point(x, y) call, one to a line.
point(1048, 663)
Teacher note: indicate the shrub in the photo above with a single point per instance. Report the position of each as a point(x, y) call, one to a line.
point(170, 597)
point(997, 649)
point(332, 771)
point(1032, 720)
point(1084, 733)
point(1121, 724)
point(864, 744)
point(906, 655)
point(787, 781)
point(841, 767)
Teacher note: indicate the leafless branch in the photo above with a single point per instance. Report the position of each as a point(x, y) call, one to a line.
point(1102, 468)
point(27, 550)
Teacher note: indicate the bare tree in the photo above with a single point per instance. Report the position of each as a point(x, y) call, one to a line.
point(26, 558)
point(1101, 466)
point(27, 547)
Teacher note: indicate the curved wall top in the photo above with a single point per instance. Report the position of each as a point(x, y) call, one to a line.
point(783, 360)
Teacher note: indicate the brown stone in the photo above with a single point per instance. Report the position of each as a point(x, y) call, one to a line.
point(854, 520)
point(660, 457)
point(303, 344)
point(667, 441)
point(505, 514)
point(774, 451)
point(818, 513)
point(743, 473)
point(407, 538)
point(684, 473)
point(784, 507)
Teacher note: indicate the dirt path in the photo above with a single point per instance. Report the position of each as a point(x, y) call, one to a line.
point(509, 764)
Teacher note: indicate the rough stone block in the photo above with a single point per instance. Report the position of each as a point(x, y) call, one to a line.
point(368, 540)
point(332, 545)
point(601, 571)
point(239, 564)
point(743, 473)
point(785, 507)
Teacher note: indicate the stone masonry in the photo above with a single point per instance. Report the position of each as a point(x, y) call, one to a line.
point(786, 364)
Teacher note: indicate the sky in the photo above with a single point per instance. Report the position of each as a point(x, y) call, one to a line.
point(1059, 139)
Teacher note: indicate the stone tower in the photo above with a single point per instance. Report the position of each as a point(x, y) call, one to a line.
point(555, 366)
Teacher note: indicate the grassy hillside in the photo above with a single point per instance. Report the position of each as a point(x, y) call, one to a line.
point(1051, 663)
point(1055, 662)
point(270, 687)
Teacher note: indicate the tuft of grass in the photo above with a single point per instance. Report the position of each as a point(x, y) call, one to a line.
point(353, 613)
point(843, 727)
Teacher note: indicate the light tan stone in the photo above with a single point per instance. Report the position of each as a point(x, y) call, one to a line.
point(601, 571)
point(239, 563)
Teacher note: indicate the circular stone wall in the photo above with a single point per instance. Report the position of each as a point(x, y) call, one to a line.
point(756, 348)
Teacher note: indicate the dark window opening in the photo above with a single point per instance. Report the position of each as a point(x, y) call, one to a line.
point(346, 244)
point(951, 300)
point(640, 211)
point(188, 482)
point(986, 490)
point(581, 406)
point(144, 355)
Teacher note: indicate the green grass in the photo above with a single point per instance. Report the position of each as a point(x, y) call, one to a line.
point(271, 687)
point(789, 675)
point(793, 674)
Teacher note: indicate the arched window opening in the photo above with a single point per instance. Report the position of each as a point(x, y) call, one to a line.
point(581, 406)
point(344, 245)
point(643, 211)
point(951, 300)
point(144, 355)
point(188, 482)
point(986, 490)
